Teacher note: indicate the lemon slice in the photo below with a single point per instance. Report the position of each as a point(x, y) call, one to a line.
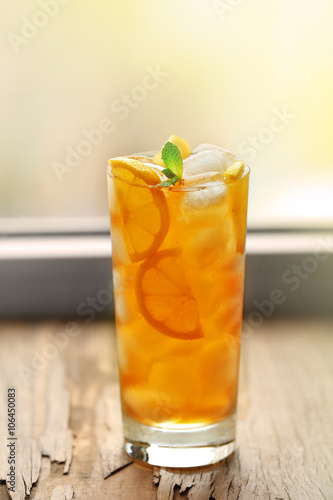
point(133, 170)
point(238, 197)
point(165, 299)
point(234, 171)
point(143, 210)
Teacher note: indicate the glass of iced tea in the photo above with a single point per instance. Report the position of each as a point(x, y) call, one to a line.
point(178, 228)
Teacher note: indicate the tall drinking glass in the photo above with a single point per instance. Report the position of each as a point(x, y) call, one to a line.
point(178, 272)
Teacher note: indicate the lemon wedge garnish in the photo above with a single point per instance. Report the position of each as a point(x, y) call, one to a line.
point(234, 171)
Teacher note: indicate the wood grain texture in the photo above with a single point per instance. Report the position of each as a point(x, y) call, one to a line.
point(113, 455)
point(195, 484)
point(42, 404)
point(69, 412)
point(63, 493)
point(57, 439)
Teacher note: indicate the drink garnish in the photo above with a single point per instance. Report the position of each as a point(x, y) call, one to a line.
point(181, 144)
point(173, 162)
point(234, 171)
point(144, 212)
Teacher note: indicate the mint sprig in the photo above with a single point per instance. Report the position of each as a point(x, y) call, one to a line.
point(173, 162)
point(170, 182)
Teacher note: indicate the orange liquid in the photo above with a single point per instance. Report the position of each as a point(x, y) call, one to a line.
point(179, 381)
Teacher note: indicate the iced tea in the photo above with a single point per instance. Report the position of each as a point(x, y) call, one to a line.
point(178, 268)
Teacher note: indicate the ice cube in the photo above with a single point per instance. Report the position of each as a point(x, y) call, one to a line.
point(207, 161)
point(226, 156)
point(202, 180)
point(208, 189)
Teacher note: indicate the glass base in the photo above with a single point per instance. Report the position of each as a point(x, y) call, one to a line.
point(187, 447)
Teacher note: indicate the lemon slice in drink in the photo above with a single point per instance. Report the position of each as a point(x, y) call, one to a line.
point(143, 209)
point(164, 297)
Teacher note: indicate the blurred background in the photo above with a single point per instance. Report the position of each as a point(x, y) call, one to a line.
point(83, 82)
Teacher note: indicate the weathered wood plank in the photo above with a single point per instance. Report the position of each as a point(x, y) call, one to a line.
point(57, 439)
point(199, 485)
point(63, 493)
point(284, 436)
point(113, 455)
point(42, 405)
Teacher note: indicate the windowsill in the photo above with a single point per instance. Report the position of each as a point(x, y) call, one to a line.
point(45, 275)
point(52, 246)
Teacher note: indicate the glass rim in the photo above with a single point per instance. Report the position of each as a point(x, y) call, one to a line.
point(180, 188)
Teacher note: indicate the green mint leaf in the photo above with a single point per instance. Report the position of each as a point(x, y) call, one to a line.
point(170, 182)
point(165, 183)
point(168, 173)
point(175, 179)
point(172, 159)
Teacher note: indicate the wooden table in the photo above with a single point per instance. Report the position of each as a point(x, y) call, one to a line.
point(67, 420)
